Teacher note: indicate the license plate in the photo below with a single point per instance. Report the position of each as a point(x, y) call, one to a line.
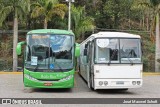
point(48, 84)
point(120, 82)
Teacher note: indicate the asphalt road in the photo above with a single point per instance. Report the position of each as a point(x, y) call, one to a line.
point(11, 86)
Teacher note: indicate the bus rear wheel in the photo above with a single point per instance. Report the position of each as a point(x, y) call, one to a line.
point(125, 89)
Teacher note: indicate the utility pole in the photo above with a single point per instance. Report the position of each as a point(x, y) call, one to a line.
point(69, 13)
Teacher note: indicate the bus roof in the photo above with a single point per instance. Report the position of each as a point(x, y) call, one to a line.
point(115, 34)
point(111, 34)
point(51, 31)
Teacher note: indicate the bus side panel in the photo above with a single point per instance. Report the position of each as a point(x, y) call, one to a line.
point(83, 64)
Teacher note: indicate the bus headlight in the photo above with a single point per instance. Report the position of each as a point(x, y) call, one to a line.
point(134, 82)
point(138, 82)
point(66, 78)
point(100, 83)
point(29, 77)
point(105, 82)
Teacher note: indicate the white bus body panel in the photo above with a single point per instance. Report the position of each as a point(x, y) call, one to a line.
point(117, 71)
point(84, 72)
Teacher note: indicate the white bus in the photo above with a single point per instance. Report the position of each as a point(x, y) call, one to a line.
point(111, 60)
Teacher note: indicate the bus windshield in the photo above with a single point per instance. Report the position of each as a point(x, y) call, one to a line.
point(49, 52)
point(113, 50)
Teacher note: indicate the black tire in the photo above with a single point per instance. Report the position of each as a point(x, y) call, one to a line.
point(79, 72)
point(125, 89)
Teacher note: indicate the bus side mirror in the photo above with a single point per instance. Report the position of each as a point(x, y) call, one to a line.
point(85, 52)
point(19, 48)
point(142, 46)
point(77, 50)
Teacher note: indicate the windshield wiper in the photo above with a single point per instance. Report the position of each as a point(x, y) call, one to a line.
point(59, 66)
point(57, 63)
point(130, 60)
point(112, 56)
point(36, 68)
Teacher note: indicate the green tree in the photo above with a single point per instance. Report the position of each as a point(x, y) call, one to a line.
point(46, 9)
point(80, 22)
point(19, 9)
point(154, 6)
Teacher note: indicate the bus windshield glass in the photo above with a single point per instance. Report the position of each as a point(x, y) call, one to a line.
point(113, 50)
point(49, 52)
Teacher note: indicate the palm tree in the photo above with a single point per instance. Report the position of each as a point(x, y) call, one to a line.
point(154, 7)
point(81, 23)
point(48, 8)
point(157, 55)
point(19, 9)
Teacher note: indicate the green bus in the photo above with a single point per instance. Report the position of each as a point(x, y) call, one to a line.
point(49, 58)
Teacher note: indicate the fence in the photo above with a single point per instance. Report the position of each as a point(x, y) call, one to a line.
point(149, 66)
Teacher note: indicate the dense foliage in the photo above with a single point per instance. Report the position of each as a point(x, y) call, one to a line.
point(88, 16)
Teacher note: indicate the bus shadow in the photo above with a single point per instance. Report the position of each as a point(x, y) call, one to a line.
point(48, 90)
point(114, 91)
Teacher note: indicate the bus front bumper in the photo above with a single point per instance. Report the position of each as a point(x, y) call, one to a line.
point(49, 84)
point(117, 83)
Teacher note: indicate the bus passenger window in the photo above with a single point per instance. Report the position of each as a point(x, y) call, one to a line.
point(85, 52)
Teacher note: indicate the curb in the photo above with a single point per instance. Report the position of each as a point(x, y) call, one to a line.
point(10, 72)
point(144, 74)
point(151, 74)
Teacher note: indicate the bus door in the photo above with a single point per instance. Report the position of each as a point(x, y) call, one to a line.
point(90, 54)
